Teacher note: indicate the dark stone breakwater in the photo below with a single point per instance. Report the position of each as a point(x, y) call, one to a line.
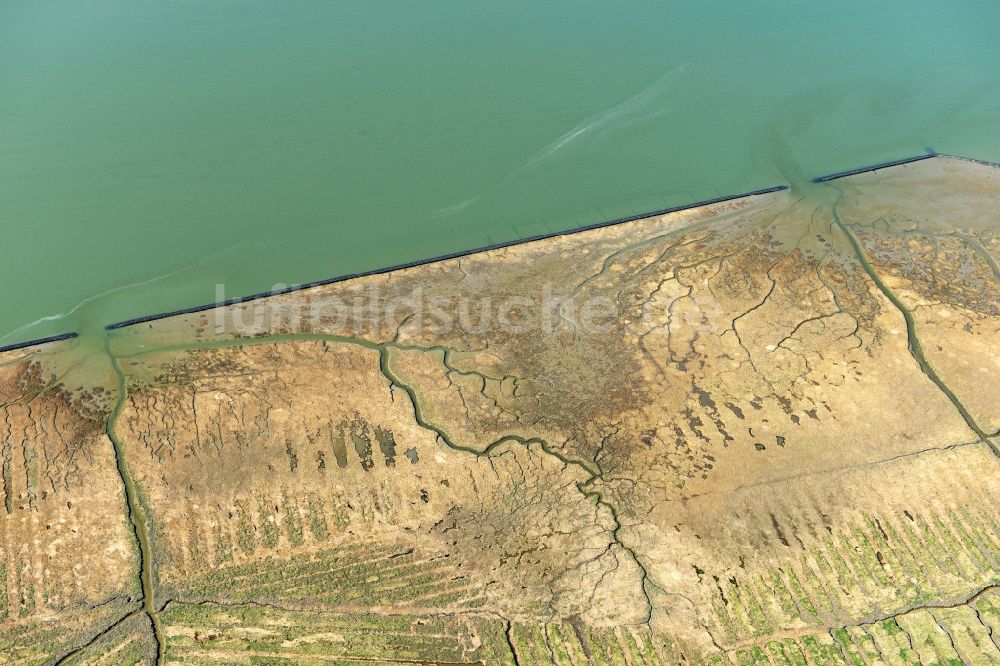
point(876, 167)
point(443, 257)
point(40, 341)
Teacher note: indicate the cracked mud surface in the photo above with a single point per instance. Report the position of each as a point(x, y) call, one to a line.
point(775, 442)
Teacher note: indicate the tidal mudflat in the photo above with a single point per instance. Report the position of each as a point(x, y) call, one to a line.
point(757, 431)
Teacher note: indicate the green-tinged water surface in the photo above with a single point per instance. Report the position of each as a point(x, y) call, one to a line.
point(150, 151)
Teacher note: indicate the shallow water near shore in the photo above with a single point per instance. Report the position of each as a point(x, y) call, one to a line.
point(149, 153)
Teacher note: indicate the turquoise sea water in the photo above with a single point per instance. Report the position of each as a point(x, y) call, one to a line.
point(152, 150)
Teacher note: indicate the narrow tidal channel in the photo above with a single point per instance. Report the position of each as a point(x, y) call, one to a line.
point(137, 515)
